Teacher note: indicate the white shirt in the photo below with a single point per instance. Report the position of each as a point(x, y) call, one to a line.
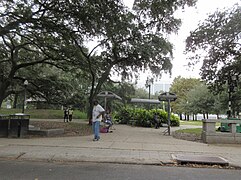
point(96, 112)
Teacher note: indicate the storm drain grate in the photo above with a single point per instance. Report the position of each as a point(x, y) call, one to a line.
point(200, 159)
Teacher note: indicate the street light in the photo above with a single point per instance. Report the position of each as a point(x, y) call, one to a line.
point(149, 81)
point(25, 83)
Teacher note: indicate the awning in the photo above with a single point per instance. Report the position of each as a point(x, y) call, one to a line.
point(108, 94)
point(145, 101)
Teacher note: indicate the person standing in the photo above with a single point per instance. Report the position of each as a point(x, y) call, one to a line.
point(156, 121)
point(71, 111)
point(66, 114)
point(97, 113)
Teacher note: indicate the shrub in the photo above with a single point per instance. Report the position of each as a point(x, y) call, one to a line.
point(143, 117)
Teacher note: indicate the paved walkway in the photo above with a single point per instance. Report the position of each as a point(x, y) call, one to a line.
point(125, 145)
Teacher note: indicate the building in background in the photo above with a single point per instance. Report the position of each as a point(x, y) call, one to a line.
point(158, 87)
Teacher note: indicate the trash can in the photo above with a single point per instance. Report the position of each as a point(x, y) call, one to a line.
point(18, 125)
point(225, 127)
point(4, 119)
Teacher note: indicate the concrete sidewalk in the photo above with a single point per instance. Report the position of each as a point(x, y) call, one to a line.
point(125, 145)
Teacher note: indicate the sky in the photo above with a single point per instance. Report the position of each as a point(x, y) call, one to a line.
point(190, 17)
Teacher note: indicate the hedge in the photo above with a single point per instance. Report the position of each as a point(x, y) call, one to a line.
point(143, 117)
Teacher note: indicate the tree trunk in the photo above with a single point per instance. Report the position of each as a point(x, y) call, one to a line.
point(3, 88)
point(180, 116)
point(204, 116)
point(15, 100)
point(89, 115)
point(1, 101)
point(207, 115)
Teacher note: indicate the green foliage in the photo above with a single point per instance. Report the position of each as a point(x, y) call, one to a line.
point(143, 117)
point(195, 97)
point(181, 87)
point(216, 42)
point(56, 33)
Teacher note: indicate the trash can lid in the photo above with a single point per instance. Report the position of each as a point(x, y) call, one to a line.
point(3, 116)
point(19, 115)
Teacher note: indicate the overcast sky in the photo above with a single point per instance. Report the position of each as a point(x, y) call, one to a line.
point(190, 19)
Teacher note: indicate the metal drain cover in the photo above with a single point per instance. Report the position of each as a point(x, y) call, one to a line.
point(200, 159)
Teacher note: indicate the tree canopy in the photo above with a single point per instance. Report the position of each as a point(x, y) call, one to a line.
point(58, 33)
point(217, 43)
point(181, 86)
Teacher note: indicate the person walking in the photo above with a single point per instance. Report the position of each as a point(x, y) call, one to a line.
point(97, 113)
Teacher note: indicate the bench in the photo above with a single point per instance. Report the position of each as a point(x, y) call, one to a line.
point(132, 122)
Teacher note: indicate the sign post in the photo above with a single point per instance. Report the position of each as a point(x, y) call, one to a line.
point(168, 97)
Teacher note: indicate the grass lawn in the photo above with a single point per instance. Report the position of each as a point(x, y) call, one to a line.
point(194, 123)
point(44, 113)
point(196, 131)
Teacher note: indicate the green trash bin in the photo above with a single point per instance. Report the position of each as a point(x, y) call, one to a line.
point(18, 125)
point(225, 127)
point(4, 120)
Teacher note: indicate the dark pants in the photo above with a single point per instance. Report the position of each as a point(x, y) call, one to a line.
point(70, 117)
point(66, 118)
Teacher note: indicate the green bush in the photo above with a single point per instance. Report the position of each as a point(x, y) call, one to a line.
point(143, 117)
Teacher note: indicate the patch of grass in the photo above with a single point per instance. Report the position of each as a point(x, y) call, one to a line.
point(196, 131)
point(194, 123)
point(44, 113)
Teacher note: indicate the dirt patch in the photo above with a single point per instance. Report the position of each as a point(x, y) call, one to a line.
point(187, 136)
point(70, 129)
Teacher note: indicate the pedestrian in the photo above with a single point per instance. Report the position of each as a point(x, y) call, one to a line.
point(97, 113)
point(71, 111)
point(66, 114)
point(156, 121)
point(108, 120)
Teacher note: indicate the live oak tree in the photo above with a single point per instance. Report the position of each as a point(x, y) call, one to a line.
point(27, 38)
point(58, 33)
point(216, 42)
point(131, 41)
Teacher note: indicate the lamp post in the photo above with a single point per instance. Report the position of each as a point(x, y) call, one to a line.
point(25, 83)
point(149, 81)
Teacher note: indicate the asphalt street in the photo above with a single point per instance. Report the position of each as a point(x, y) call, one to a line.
point(30, 170)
